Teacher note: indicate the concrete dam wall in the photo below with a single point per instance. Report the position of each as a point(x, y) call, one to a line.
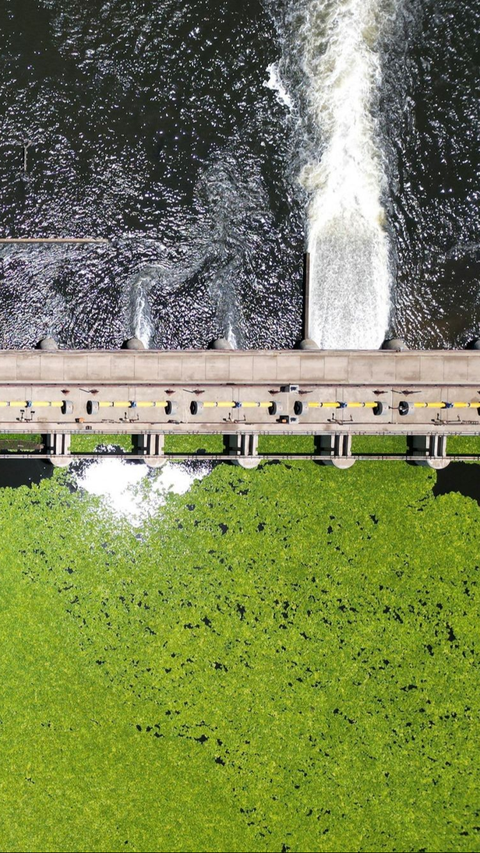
point(426, 396)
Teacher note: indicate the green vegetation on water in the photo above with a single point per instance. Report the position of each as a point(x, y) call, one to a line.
point(271, 444)
point(173, 443)
point(463, 444)
point(91, 443)
point(379, 445)
point(283, 659)
point(194, 444)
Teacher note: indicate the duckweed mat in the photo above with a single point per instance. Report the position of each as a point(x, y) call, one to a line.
point(283, 659)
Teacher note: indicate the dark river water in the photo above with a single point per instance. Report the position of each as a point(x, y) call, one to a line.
point(150, 125)
point(211, 142)
point(431, 118)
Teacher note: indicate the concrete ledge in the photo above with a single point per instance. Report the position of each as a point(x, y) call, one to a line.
point(256, 366)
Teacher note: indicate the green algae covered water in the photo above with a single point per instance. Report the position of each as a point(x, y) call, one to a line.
point(277, 660)
point(284, 659)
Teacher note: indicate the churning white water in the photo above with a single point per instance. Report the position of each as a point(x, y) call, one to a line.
point(133, 490)
point(141, 323)
point(276, 84)
point(347, 240)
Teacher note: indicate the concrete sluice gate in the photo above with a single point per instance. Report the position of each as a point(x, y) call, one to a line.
point(242, 395)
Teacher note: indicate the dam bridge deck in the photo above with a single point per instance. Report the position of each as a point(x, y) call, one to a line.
point(242, 395)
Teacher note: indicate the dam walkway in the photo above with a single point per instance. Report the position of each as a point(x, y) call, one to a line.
point(333, 396)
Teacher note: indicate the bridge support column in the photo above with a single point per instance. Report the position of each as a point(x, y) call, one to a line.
point(150, 447)
point(433, 447)
point(243, 445)
point(336, 448)
point(57, 444)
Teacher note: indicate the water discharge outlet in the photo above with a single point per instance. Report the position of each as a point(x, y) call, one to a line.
point(350, 274)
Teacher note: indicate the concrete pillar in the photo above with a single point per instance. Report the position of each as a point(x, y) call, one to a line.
point(48, 344)
point(57, 445)
point(245, 445)
point(308, 344)
point(395, 344)
point(134, 344)
point(221, 343)
point(433, 449)
point(150, 446)
point(336, 448)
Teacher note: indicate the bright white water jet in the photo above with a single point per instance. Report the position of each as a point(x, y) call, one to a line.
point(231, 336)
point(141, 319)
point(133, 490)
point(347, 241)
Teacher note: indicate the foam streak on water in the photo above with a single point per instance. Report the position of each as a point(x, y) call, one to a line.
point(350, 276)
point(275, 83)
